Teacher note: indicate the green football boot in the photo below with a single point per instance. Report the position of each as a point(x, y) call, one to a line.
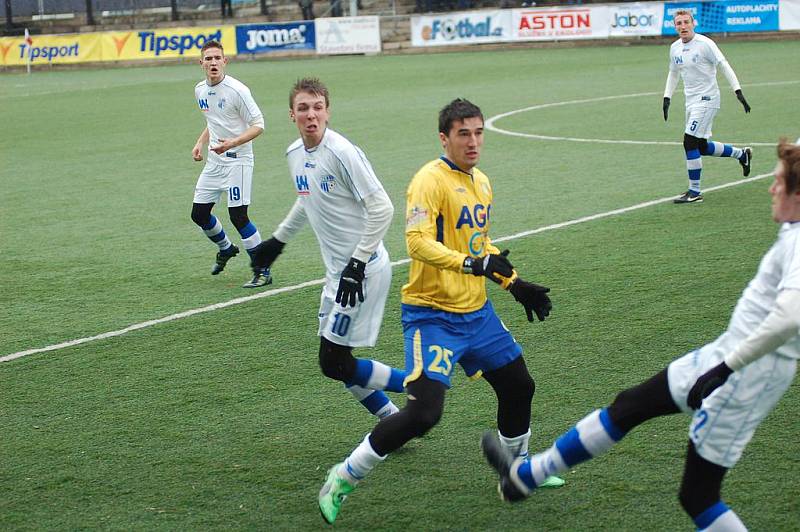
point(333, 494)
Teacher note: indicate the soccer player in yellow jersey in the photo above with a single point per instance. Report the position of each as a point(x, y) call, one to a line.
point(447, 318)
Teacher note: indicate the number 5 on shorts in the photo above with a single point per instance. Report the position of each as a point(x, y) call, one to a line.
point(693, 126)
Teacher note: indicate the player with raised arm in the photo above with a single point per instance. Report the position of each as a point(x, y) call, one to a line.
point(341, 198)
point(447, 317)
point(729, 385)
point(233, 120)
point(695, 58)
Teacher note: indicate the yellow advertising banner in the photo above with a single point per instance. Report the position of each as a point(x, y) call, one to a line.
point(51, 49)
point(165, 42)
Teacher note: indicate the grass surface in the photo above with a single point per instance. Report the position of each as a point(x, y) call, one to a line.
point(223, 420)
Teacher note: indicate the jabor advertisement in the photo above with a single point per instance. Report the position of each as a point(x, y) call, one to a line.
point(635, 19)
point(348, 35)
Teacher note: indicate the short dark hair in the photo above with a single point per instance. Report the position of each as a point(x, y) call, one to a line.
point(789, 155)
point(310, 85)
point(457, 110)
point(212, 43)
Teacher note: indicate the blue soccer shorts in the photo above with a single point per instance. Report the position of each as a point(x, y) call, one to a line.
point(435, 340)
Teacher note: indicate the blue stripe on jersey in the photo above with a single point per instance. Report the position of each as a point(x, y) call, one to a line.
point(710, 515)
point(375, 401)
point(248, 230)
point(440, 229)
point(572, 450)
point(212, 221)
point(692, 154)
point(615, 432)
point(727, 150)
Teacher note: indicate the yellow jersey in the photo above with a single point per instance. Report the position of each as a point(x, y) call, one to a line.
point(448, 215)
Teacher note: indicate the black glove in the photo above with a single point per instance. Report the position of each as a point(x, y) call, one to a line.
point(533, 297)
point(488, 265)
point(351, 283)
point(740, 97)
point(266, 252)
point(666, 108)
point(707, 383)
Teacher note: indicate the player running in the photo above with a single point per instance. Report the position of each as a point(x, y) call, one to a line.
point(447, 317)
point(339, 195)
point(233, 120)
point(729, 385)
point(695, 58)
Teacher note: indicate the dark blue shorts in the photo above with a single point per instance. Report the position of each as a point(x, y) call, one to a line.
point(435, 340)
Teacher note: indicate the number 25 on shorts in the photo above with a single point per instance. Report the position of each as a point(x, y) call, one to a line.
point(441, 361)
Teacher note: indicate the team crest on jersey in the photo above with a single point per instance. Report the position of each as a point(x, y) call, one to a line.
point(416, 215)
point(221, 103)
point(327, 183)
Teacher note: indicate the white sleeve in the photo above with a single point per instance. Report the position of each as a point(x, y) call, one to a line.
point(293, 222)
point(713, 52)
point(778, 327)
point(249, 110)
point(379, 216)
point(672, 82)
point(730, 75)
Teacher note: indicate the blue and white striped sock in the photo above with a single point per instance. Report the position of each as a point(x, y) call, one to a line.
point(694, 165)
point(250, 237)
point(377, 376)
point(719, 518)
point(215, 233)
point(377, 402)
point(592, 436)
point(718, 149)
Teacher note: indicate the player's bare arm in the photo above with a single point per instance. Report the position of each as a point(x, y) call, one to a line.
point(197, 151)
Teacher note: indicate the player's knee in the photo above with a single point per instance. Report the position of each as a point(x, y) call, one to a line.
point(201, 213)
point(239, 216)
point(423, 416)
point(702, 145)
point(336, 361)
point(627, 410)
point(690, 143)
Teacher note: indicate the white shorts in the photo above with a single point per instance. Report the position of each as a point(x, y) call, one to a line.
point(355, 326)
point(699, 120)
point(727, 419)
point(234, 180)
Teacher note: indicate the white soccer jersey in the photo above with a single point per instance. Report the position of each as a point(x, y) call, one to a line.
point(331, 179)
point(229, 110)
point(696, 61)
point(779, 270)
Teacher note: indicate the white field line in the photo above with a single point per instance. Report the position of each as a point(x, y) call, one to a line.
point(490, 122)
point(277, 291)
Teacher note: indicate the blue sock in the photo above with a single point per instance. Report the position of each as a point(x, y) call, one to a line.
point(590, 437)
point(718, 149)
point(377, 376)
point(215, 233)
point(694, 166)
point(718, 517)
point(377, 402)
point(250, 237)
